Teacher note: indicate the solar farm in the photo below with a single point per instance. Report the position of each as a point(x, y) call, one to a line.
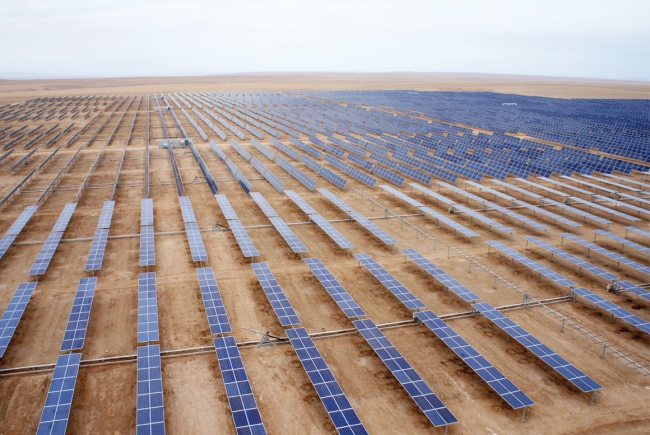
point(321, 262)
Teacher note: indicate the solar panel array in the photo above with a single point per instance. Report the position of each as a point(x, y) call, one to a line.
point(542, 270)
point(97, 249)
point(329, 391)
point(245, 243)
point(225, 206)
point(297, 199)
point(390, 282)
point(214, 308)
point(56, 412)
point(147, 247)
point(481, 217)
point(147, 308)
point(334, 288)
point(75, 331)
point(436, 196)
point(436, 411)
point(267, 174)
point(281, 305)
point(296, 173)
point(603, 208)
point(546, 354)
point(150, 411)
point(477, 362)
point(243, 406)
point(628, 286)
point(329, 229)
point(10, 236)
point(623, 241)
point(197, 248)
point(582, 264)
point(13, 313)
point(620, 259)
point(614, 309)
point(106, 214)
point(445, 279)
point(49, 247)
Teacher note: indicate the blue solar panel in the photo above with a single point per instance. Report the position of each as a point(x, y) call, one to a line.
point(281, 305)
point(542, 270)
point(297, 199)
point(477, 362)
point(146, 212)
point(411, 381)
point(572, 259)
point(186, 209)
point(562, 366)
point(13, 313)
point(75, 332)
point(106, 215)
point(147, 246)
point(336, 404)
point(264, 205)
point(628, 286)
point(226, 208)
point(197, 248)
point(441, 276)
point(214, 308)
point(393, 285)
point(150, 411)
point(56, 411)
point(64, 217)
point(147, 308)
point(22, 220)
point(289, 236)
point(614, 309)
point(374, 229)
point(97, 249)
point(5, 244)
point(45, 255)
point(335, 199)
point(330, 176)
point(361, 176)
point(311, 164)
point(334, 234)
point(623, 241)
point(334, 288)
point(244, 241)
point(243, 406)
point(388, 175)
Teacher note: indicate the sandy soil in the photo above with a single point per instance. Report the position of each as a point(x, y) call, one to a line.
point(194, 395)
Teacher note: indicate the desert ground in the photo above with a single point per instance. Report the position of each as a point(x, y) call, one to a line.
point(194, 395)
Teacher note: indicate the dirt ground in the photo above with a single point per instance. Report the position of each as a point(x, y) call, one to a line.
point(194, 394)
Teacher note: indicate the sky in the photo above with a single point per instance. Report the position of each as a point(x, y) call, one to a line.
point(118, 38)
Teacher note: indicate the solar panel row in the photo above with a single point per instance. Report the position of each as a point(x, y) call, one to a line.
point(281, 305)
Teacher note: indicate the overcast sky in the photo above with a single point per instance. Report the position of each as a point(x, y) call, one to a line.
point(84, 38)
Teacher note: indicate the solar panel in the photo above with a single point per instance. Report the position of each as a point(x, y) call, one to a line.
point(304, 179)
point(637, 230)
point(335, 199)
point(147, 247)
point(577, 211)
point(544, 188)
point(572, 259)
point(541, 270)
point(45, 255)
point(620, 259)
point(65, 216)
point(490, 222)
point(336, 404)
point(264, 205)
point(97, 249)
point(214, 308)
point(281, 305)
point(106, 215)
point(218, 150)
point(197, 248)
point(401, 196)
point(477, 362)
point(245, 413)
point(334, 288)
point(146, 212)
point(393, 285)
point(244, 241)
point(150, 411)
point(614, 309)
point(56, 412)
point(411, 381)
point(415, 174)
point(13, 313)
point(436, 196)
point(22, 220)
point(75, 331)
point(5, 244)
point(361, 176)
point(603, 208)
point(297, 199)
point(625, 285)
point(441, 276)
point(624, 242)
point(388, 175)
point(573, 189)
point(555, 217)
point(225, 206)
point(186, 209)
point(334, 234)
point(292, 240)
point(523, 192)
point(330, 176)
point(374, 229)
point(147, 308)
point(242, 152)
point(311, 164)
point(546, 354)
